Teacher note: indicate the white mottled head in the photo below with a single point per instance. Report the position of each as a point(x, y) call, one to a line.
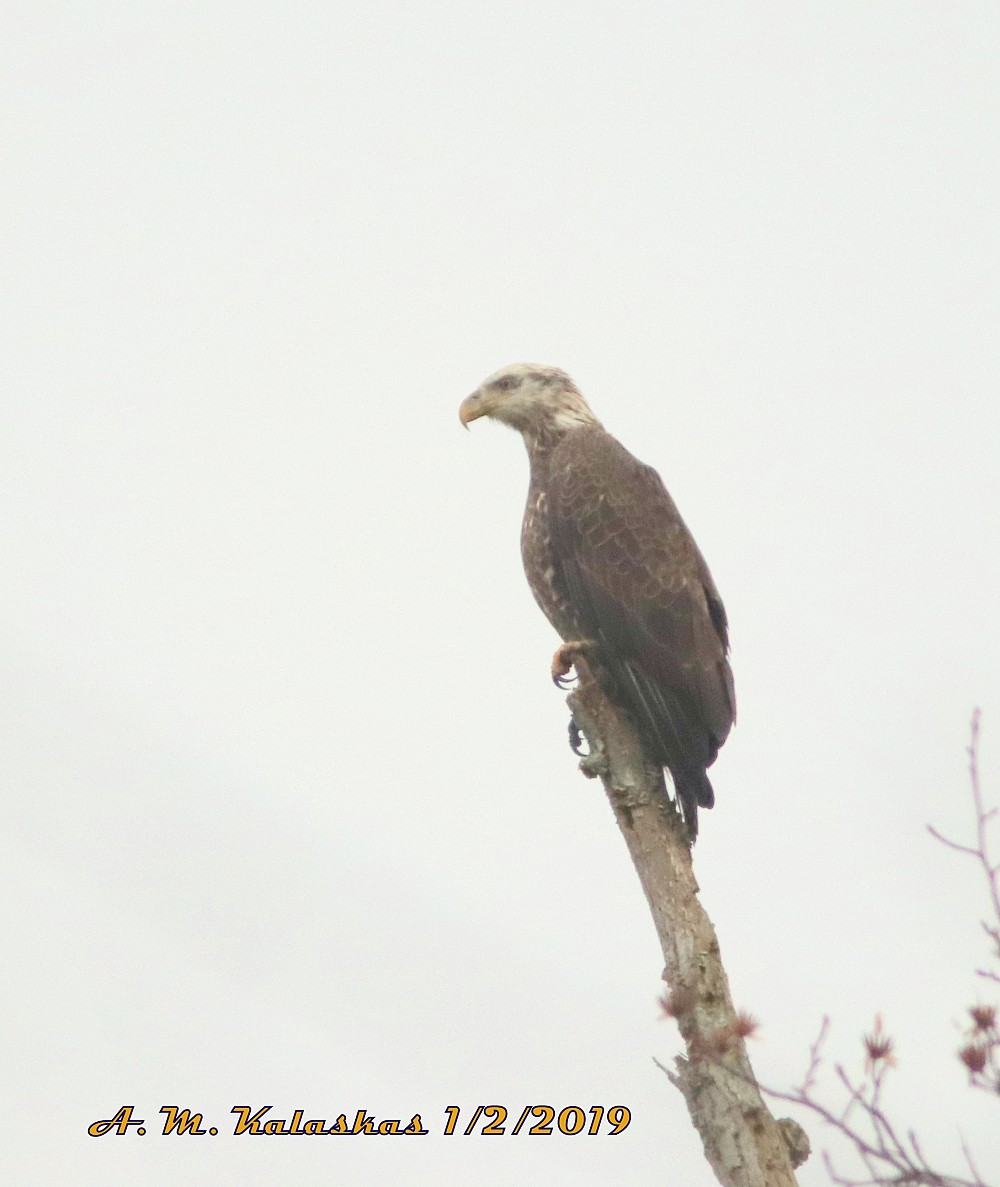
point(542, 403)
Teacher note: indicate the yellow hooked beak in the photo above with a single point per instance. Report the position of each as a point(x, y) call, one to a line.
point(473, 407)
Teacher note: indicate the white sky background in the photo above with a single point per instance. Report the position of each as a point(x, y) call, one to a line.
point(290, 814)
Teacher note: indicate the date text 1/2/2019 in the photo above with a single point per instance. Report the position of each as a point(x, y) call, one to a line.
point(537, 1120)
point(487, 1120)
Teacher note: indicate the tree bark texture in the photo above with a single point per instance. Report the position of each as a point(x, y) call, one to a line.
point(744, 1144)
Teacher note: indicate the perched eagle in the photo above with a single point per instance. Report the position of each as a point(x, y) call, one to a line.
point(617, 573)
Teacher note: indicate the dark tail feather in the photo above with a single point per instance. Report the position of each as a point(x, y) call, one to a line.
point(663, 718)
point(693, 791)
point(666, 726)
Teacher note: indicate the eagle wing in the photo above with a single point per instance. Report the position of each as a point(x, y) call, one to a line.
point(639, 586)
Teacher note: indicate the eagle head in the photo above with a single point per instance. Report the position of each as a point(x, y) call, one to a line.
point(537, 401)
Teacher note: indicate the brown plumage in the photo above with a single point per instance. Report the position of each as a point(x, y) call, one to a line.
point(614, 568)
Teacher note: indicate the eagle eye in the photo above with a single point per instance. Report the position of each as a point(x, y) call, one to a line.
point(506, 382)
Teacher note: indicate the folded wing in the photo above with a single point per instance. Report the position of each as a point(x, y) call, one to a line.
point(641, 589)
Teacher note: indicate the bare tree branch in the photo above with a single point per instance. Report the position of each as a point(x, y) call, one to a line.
point(888, 1158)
point(744, 1144)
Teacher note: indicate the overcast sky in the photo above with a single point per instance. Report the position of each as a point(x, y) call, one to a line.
point(290, 814)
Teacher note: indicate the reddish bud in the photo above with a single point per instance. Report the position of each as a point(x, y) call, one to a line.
point(677, 1002)
point(879, 1046)
point(974, 1058)
point(745, 1025)
point(983, 1017)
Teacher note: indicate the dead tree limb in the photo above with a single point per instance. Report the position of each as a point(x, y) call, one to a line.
point(744, 1144)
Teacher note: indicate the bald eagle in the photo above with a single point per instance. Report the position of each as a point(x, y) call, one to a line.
point(617, 573)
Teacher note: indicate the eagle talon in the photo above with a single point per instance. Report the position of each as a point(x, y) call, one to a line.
point(576, 740)
point(564, 660)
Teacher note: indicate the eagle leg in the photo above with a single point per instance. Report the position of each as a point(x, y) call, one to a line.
point(565, 657)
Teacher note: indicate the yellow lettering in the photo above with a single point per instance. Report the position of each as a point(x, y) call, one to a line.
point(120, 1122)
point(245, 1121)
point(363, 1123)
point(181, 1120)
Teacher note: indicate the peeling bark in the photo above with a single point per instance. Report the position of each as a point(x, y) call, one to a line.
point(744, 1144)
